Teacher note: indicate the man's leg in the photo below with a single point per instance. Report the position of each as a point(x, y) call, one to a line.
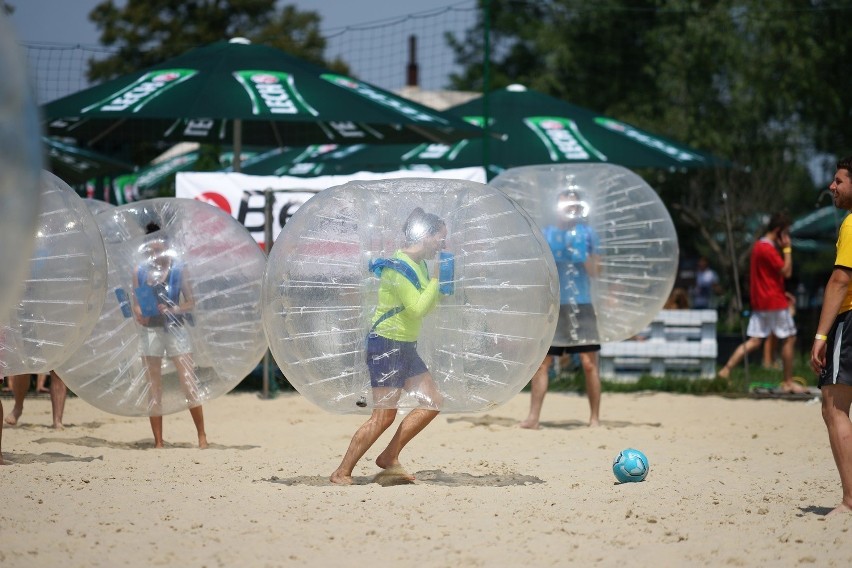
point(593, 385)
point(538, 388)
point(836, 401)
point(411, 425)
point(20, 386)
point(751, 344)
point(41, 378)
point(198, 419)
point(58, 394)
point(788, 350)
point(362, 440)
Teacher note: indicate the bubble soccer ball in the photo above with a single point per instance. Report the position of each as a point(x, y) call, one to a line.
point(64, 289)
point(613, 240)
point(20, 168)
point(487, 333)
point(181, 324)
point(630, 465)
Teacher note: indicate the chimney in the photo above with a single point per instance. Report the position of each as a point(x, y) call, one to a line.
point(411, 79)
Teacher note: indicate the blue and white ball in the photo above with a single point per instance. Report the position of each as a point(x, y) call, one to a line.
point(630, 465)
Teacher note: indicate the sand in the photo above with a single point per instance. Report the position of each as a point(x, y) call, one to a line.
point(734, 482)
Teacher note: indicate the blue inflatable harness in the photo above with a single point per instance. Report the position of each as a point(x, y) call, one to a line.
point(376, 266)
point(174, 286)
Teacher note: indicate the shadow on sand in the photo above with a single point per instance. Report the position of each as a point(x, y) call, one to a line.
point(425, 477)
point(488, 421)
point(148, 443)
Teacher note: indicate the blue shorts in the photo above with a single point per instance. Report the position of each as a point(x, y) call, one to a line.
point(392, 362)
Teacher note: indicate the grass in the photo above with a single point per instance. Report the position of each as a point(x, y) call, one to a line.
point(572, 380)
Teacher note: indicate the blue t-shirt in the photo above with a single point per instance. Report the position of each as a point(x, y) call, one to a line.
point(571, 248)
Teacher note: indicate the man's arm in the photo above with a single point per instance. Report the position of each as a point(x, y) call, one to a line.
point(787, 253)
point(835, 292)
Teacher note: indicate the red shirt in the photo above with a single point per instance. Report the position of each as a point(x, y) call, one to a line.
point(767, 282)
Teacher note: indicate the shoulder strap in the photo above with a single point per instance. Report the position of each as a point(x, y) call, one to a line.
point(175, 282)
point(379, 264)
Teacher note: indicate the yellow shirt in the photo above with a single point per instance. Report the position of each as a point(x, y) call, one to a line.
point(396, 290)
point(844, 258)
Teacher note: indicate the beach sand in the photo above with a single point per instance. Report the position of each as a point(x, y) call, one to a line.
point(734, 482)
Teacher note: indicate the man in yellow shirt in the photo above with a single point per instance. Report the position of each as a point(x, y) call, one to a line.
point(831, 355)
point(406, 295)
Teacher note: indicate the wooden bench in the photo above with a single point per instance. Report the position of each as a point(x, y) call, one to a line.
point(678, 342)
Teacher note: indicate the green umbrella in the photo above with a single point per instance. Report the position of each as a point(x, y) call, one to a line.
point(152, 180)
point(822, 224)
point(251, 94)
point(535, 128)
point(75, 165)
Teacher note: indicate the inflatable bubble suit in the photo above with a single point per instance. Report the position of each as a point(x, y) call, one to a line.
point(181, 321)
point(64, 290)
point(20, 168)
point(600, 218)
point(485, 329)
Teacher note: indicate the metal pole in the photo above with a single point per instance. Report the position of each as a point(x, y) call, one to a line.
point(733, 254)
point(269, 195)
point(486, 87)
point(238, 145)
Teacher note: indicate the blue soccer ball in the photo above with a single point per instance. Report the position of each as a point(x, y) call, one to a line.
point(630, 465)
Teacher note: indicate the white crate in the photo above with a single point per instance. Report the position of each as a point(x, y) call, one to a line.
point(677, 342)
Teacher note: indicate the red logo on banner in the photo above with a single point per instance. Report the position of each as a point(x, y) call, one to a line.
point(215, 199)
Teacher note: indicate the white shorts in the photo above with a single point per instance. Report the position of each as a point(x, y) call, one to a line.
point(157, 341)
point(772, 322)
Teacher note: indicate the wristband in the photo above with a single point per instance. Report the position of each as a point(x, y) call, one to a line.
point(787, 250)
point(821, 336)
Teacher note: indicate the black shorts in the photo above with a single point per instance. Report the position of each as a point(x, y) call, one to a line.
point(577, 326)
point(838, 353)
point(560, 350)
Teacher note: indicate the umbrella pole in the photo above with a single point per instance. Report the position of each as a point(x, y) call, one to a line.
point(269, 194)
point(238, 145)
point(733, 254)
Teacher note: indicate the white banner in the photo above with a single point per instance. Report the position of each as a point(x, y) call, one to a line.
point(244, 197)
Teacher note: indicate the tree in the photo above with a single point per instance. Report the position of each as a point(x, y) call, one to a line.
point(753, 81)
point(147, 32)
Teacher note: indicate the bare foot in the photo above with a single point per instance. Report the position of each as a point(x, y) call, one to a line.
point(394, 475)
point(792, 387)
point(202, 441)
point(158, 444)
point(840, 509)
point(724, 373)
point(594, 423)
point(339, 478)
point(58, 426)
point(42, 390)
point(12, 418)
point(530, 424)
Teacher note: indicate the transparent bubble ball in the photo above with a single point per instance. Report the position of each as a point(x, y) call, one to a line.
point(20, 168)
point(181, 324)
point(64, 289)
point(635, 242)
point(483, 340)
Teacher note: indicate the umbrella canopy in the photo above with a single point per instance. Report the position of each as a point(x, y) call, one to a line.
point(536, 129)
point(821, 224)
point(262, 94)
point(75, 165)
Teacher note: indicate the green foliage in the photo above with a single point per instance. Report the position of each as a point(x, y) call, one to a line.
point(572, 380)
point(147, 32)
point(753, 81)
